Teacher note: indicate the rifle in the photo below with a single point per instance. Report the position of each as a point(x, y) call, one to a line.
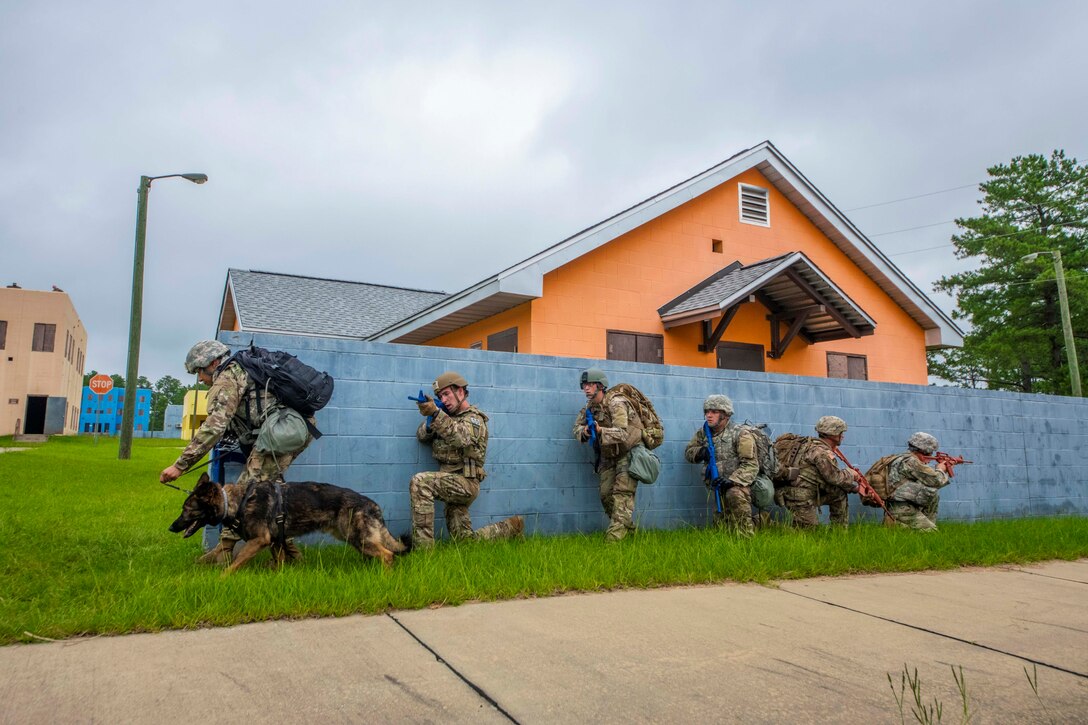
point(865, 489)
point(591, 426)
point(949, 460)
point(711, 474)
point(423, 399)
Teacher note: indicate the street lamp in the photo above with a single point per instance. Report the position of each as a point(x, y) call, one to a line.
point(1067, 323)
point(128, 416)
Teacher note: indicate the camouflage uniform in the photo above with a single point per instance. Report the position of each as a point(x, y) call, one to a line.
point(238, 408)
point(459, 444)
point(735, 451)
point(914, 500)
point(620, 431)
point(820, 482)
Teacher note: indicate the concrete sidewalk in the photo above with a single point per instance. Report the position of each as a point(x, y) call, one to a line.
point(815, 650)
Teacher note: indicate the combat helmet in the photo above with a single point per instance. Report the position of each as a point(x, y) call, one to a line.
point(594, 375)
point(448, 378)
point(203, 354)
point(923, 443)
point(831, 425)
point(718, 402)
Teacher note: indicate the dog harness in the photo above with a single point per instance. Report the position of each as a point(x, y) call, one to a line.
point(279, 516)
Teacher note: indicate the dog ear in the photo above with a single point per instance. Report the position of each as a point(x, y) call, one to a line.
point(204, 478)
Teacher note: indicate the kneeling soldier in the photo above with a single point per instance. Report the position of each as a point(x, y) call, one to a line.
point(735, 454)
point(457, 435)
point(913, 484)
point(821, 481)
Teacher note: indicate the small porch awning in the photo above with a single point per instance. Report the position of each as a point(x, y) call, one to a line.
point(801, 299)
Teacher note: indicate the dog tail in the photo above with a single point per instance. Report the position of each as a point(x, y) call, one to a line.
point(402, 546)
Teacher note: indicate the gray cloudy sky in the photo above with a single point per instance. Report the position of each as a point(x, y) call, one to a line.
point(432, 144)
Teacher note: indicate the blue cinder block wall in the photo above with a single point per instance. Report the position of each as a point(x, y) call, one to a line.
point(1030, 451)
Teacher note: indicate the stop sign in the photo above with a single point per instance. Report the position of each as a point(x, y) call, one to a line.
point(101, 384)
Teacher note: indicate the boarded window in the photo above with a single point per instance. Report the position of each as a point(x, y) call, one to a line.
point(636, 347)
point(44, 335)
point(505, 341)
point(3, 334)
point(849, 367)
point(741, 356)
point(754, 205)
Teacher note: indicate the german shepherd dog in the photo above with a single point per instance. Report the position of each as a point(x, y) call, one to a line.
point(265, 513)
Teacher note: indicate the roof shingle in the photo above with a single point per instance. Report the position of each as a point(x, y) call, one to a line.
point(313, 306)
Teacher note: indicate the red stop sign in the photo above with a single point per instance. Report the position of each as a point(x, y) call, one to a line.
point(101, 384)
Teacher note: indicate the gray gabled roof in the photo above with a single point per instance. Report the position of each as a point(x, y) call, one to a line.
point(525, 280)
point(288, 303)
point(786, 284)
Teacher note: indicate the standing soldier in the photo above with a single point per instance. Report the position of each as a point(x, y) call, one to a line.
point(735, 454)
point(617, 428)
point(237, 407)
point(913, 484)
point(820, 480)
point(457, 434)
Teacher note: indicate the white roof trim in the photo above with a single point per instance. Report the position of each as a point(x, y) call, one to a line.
point(228, 291)
point(527, 277)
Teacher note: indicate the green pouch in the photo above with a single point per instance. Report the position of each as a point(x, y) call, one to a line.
point(643, 464)
point(763, 493)
point(283, 431)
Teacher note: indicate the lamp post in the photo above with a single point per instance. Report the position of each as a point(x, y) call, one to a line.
point(128, 416)
point(1067, 323)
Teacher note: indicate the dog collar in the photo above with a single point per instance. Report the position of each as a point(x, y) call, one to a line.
point(223, 491)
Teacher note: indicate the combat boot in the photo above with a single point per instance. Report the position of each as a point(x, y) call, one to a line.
point(517, 527)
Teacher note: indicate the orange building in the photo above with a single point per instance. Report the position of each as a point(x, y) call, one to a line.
point(745, 266)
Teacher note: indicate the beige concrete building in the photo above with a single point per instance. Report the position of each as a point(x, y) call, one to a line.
point(43, 347)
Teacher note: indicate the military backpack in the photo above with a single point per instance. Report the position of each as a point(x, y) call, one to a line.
point(877, 475)
point(653, 430)
point(789, 447)
point(291, 381)
point(763, 485)
point(765, 452)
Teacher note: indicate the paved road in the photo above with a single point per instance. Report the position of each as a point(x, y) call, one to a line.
point(815, 650)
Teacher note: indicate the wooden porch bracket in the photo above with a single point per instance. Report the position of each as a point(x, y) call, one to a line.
point(711, 339)
point(778, 346)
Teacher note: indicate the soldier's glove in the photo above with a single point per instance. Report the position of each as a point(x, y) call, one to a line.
point(584, 435)
point(427, 408)
point(702, 455)
point(722, 483)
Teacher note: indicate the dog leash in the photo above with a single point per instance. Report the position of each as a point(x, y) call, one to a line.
point(183, 490)
point(235, 449)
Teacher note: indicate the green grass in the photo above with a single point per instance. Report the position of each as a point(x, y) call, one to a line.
point(86, 551)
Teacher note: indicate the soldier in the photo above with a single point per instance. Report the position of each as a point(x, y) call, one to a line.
point(735, 452)
point(913, 484)
point(618, 429)
point(820, 480)
point(458, 439)
point(238, 408)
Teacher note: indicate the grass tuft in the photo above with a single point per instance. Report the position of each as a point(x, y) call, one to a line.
point(86, 551)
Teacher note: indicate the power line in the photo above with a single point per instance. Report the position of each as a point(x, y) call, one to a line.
point(909, 198)
point(926, 249)
point(951, 244)
point(911, 229)
point(1068, 276)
